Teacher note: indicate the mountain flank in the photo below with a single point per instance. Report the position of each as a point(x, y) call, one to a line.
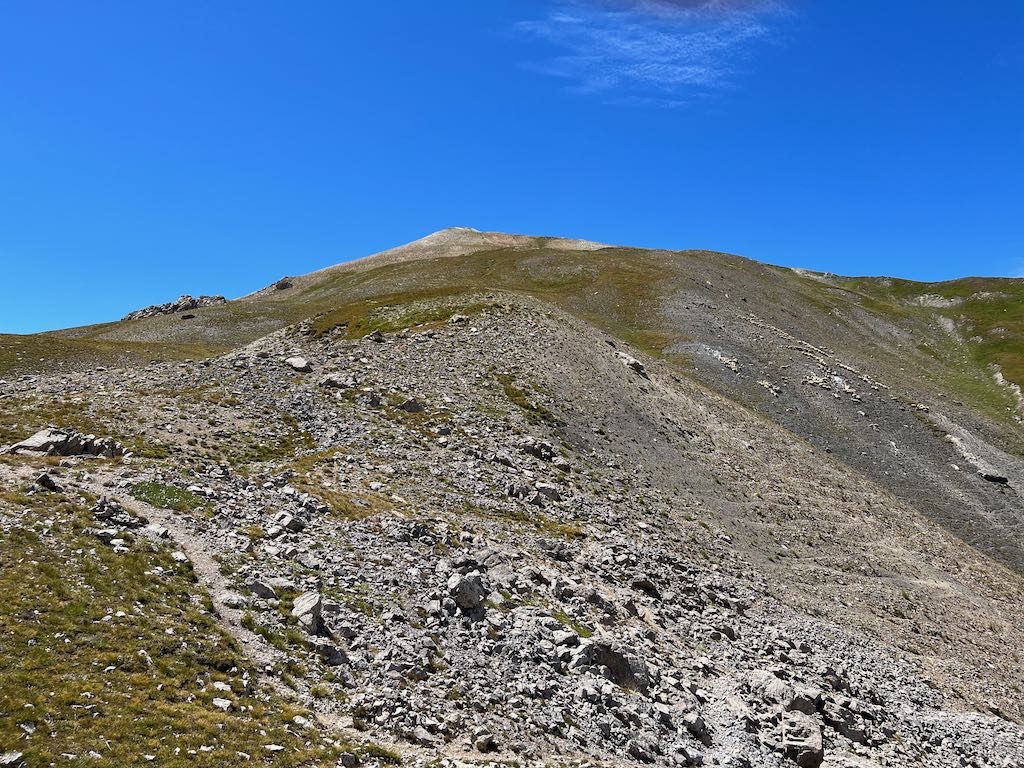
point(499, 498)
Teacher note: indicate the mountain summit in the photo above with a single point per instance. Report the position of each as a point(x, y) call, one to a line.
point(505, 498)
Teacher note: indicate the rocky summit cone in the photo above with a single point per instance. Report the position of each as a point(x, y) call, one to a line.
point(506, 499)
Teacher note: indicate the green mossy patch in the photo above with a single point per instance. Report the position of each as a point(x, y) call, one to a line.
point(167, 496)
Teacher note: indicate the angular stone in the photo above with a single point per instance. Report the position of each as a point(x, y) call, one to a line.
point(624, 669)
point(548, 491)
point(233, 600)
point(308, 609)
point(337, 381)
point(46, 481)
point(57, 442)
point(801, 740)
point(468, 591)
point(632, 363)
point(262, 589)
point(331, 654)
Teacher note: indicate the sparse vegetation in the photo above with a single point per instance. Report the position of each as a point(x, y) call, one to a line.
point(272, 445)
point(383, 754)
point(45, 353)
point(579, 628)
point(532, 408)
point(100, 654)
point(394, 312)
point(167, 496)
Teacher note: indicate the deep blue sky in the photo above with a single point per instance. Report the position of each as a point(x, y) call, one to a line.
point(157, 148)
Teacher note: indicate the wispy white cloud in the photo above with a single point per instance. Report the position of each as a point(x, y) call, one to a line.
point(650, 51)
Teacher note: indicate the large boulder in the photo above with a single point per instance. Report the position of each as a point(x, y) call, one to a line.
point(66, 442)
point(622, 668)
point(801, 740)
point(50, 442)
point(467, 591)
point(308, 609)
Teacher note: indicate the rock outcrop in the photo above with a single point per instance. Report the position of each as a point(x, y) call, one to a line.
point(181, 304)
point(67, 442)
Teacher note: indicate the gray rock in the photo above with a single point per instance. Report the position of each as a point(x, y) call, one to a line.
point(331, 654)
point(293, 524)
point(548, 491)
point(467, 591)
point(484, 742)
point(262, 589)
point(845, 721)
point(112, 513)
point(622, 668)
point(299, 364)
point(106, 535)
point(565, 638)
point(632, 363)
point(801, 740)
point(46, 481)
point(233, 600)
point(337, 381)
point(695, 724)
point(67, 442)
point(308, 609)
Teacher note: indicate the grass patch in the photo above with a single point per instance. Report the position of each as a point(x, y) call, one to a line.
point(285, 444)
point(357, 598)
point(535, 412)
point(375, 751)
point(580, 629)
point(536, 520)
point(20, 418)
point(392, 313)
point(166, 496)
point(109, 652)
point(310, 478)
point(47, 353)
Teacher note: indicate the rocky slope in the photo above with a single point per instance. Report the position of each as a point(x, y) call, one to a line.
point(495, 498)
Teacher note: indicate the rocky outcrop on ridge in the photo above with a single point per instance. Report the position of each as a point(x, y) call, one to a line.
point(181, 304)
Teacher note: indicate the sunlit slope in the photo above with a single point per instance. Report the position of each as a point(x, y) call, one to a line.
point(895, 378)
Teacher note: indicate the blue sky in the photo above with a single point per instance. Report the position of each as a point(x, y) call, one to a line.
point(158, 148)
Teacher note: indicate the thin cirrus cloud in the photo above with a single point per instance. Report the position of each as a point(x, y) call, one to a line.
point(661, 52)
